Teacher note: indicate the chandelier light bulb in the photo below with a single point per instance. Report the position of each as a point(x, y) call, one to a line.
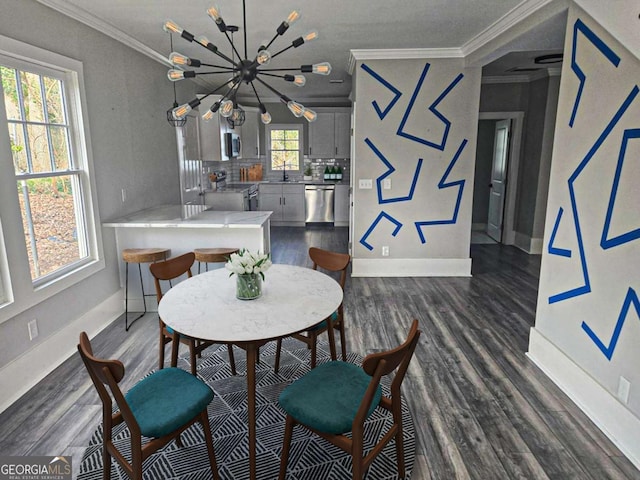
point(178, 59)
point(214, 12)
point(323, 68)
point(263, 57)
point(172, 27)
point(235, 114)
point(310, 115)
point(226, 108)
point(202, 40)
point(312, 35)
point(266, 118)
point(299, 80)
point(175, 75)
point(296, 108)
point(181, 111)
point(209, 113)
point(293, 17)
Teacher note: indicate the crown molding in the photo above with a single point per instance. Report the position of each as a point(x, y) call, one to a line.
point(92, 21)
point(400, 54)
point(511, 21)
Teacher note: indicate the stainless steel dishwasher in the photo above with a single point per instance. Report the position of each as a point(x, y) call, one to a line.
point(319, 203)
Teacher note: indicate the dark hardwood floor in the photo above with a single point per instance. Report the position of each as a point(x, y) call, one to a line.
point(481, 409)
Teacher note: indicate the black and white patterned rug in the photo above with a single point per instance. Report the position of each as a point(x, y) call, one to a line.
point(310, 458)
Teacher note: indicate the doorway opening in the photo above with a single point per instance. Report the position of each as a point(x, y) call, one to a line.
point(495, 185)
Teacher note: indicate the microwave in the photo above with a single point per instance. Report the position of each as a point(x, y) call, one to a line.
point(232, 144)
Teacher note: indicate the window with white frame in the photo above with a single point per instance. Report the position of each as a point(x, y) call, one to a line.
point(52, 186)
point(285, 146)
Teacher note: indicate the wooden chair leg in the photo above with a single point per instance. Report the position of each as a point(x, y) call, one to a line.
point(314, 348)
point(284, 458)
point(232, 359)
point(397, 418)
point(357, 448)
point(276, 365)
point(343, 342)
point(175, 344)
point(331, 334)
point(206, 428)
point(161, 352)
point(192, 356)
point(106, 462)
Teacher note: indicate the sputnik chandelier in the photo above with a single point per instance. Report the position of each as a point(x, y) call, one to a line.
point(241, 69)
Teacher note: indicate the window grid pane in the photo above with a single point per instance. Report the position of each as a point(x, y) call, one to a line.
point(49, 188)
point(48, 207)
point(285, 149)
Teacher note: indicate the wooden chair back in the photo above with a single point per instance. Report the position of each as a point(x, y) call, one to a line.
point(331, 261)
point(107, 372)
point(171, 269)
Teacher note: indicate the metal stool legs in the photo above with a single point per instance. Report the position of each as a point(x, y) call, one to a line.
point(127, 325)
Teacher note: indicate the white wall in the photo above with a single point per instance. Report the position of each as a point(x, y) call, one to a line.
point(587, 328)
point(133, 147)
point(444, 248)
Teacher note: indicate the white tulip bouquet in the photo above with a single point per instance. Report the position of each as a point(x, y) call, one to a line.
point(245, 262)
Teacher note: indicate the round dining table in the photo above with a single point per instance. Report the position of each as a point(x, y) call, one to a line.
point(293, 299)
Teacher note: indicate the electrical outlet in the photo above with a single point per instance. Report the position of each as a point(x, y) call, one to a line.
point(365, 183)
point(33, 329)
point(624, 387)
point(386, 184)
point(385, 251)
point(124, 195)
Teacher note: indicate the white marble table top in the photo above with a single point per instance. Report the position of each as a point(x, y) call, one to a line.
point(293, 299)
point(189, 216)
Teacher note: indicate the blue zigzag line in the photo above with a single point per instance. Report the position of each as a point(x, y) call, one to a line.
point(382, 215)
point(630, 298)
point(600, 45)
point(605, 242)
point(586, 288)
point(432, 108)
point(553, 250)
point(442, 185)
point(390, 170)
point(398, 93)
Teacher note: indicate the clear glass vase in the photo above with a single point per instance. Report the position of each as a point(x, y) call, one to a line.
point(248, 286)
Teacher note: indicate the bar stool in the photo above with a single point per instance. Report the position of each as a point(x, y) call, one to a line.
point(139, 255)
point(213, 255)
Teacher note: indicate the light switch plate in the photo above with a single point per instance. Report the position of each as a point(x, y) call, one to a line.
point(365, 183)
point(386, 184)
point(624, 386)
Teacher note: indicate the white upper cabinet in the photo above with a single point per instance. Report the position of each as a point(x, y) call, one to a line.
point(249, 133)
point(329, 135)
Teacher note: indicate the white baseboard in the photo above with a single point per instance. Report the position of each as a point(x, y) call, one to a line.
point(411, 267)
point(531, 245)
point(24, 372)
point(605, 410)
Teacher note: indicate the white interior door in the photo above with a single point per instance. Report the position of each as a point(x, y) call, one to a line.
point(498, 179)
point(190, 171)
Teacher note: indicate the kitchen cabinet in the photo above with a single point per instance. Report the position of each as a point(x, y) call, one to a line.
point(286, 201)
point(330, 134)
point(341, 206)
point(250, 133)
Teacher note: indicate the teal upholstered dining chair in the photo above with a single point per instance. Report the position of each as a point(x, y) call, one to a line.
point(160, 407)
point(331, 262)
point(337, 397)
point(168, 270)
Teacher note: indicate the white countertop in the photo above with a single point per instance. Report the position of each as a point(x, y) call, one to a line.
point(189, 216)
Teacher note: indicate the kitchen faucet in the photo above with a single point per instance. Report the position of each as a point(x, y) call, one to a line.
point(285, 177)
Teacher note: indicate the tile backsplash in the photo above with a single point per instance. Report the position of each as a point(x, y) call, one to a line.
point(317, 165)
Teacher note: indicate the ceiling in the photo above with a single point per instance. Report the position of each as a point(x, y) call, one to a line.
point(342, 25)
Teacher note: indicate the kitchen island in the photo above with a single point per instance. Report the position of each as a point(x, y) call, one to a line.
point(183, 228)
